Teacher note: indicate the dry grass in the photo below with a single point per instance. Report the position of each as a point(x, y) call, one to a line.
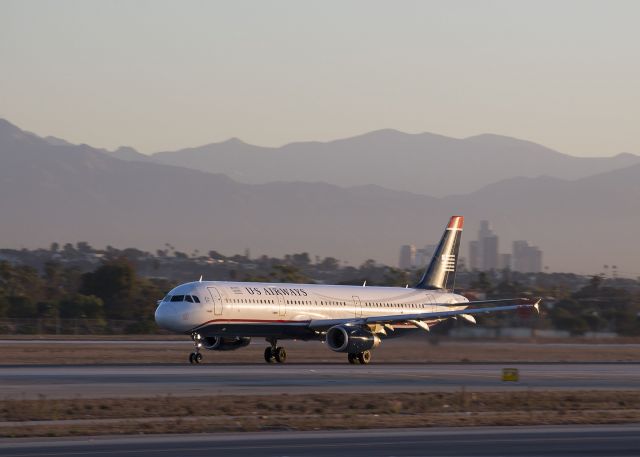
point(399, 350)
point(310, 412)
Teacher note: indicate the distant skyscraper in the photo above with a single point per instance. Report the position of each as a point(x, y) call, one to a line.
point(474, 255)
point(485, 256)
point(489, 248)
point(536, 259)
point(526, 259)
point(407, 256)
point(483, 253)
point(485, 230)
point(504, 262)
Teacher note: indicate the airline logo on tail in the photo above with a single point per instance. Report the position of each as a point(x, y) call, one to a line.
point(448, 262)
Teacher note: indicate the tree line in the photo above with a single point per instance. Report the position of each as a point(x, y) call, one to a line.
point(125, 286)
point(113, 291)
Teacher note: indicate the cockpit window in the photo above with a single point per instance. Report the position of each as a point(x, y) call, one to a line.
point(188, 298)
point(196, 299)
point(177, 298)
point(167, 298)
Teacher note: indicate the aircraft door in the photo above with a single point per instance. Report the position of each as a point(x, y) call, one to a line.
point(357, 306)
point(217, 300)
point(282, 305)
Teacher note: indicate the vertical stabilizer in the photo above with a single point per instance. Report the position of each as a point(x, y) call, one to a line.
point(441, 272)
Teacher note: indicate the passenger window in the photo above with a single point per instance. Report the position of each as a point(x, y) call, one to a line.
point(188, 298)
point(177, 298)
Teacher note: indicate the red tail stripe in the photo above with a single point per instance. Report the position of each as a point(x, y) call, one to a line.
point(456, 222)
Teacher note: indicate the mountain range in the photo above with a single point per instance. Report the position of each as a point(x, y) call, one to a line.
point(51, 190)
point(423, 163)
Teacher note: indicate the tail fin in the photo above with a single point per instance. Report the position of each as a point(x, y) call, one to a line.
point(441, 271)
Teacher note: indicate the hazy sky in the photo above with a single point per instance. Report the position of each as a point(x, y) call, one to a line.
point(160, 75)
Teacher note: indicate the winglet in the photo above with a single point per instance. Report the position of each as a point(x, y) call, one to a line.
point(200, 278)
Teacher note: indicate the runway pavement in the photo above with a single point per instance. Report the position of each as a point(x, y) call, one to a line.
point(549, 441)
point(95, 381)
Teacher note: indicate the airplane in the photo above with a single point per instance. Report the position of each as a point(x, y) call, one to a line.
point(224, 316)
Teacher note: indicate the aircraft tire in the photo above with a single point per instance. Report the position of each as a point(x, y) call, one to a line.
point(198, 357)
point(353, 358)
point(192, 358)
point(281, 355)
point(269, 356)
point(364, 357)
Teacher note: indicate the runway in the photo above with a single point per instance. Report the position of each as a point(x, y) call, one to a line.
point(100, 381)
point(549, 441)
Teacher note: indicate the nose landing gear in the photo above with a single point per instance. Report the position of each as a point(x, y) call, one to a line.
point(196, 357)
point(274, 353)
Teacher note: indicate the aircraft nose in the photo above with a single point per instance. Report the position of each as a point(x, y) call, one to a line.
point(165, 315)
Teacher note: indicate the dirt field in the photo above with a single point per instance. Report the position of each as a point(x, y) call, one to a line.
point(163, 350)
point(22, 418)
point(167, 414)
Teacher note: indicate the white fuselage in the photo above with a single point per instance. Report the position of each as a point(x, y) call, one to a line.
point(285, 310)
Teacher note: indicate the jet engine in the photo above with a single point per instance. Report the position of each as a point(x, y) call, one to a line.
point(218, 343)
point(343, 338)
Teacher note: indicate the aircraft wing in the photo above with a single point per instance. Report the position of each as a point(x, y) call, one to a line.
point(418, 318)
point(523, 301)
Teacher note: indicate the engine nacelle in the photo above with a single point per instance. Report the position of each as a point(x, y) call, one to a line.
point(343, 338)
point(218, 343)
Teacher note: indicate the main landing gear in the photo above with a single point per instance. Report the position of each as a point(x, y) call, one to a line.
point(359, 358)
point(274, 353)
point(196, 357)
